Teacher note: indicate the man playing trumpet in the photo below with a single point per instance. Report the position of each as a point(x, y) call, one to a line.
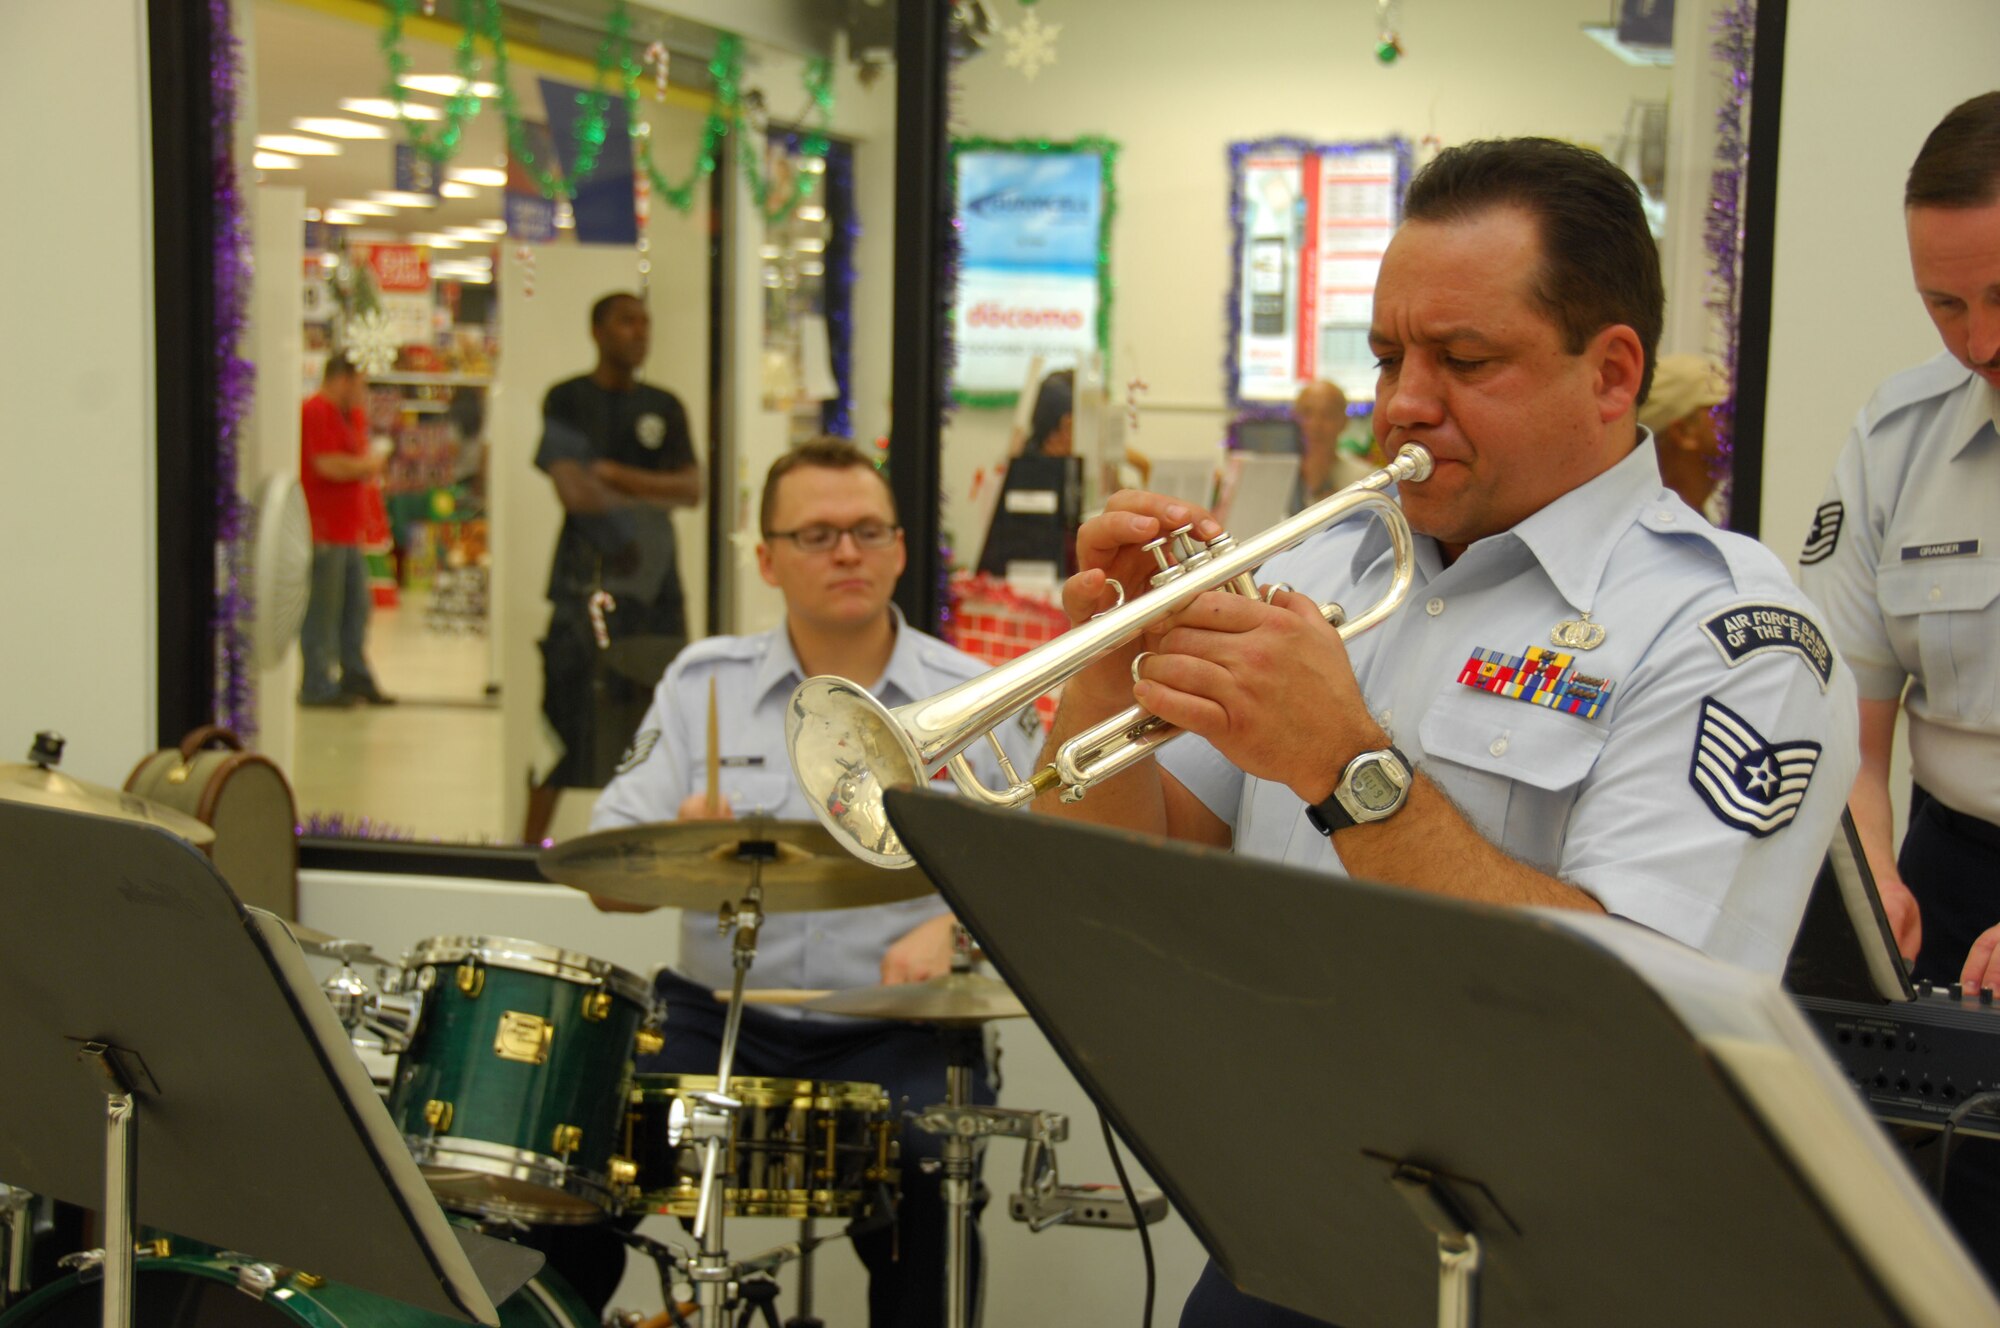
point(1591, 699)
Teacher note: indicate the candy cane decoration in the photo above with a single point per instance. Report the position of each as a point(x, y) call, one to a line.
point(658, 56)
point(1132, 391)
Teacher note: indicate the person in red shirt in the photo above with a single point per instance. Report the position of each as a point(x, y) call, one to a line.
point(337, 469)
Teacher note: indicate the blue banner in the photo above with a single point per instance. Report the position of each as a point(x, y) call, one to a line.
point(1039, 210)
point(605, 206)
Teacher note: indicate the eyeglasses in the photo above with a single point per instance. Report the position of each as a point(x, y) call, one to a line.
point(822, 538)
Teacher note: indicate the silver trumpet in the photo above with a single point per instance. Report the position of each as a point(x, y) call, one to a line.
point(847, 747)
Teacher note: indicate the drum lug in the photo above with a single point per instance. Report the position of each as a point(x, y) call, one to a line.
point(648, 1043)
point(566, 1140)
point(597, 1006)
point(624, 1172)
point(437, 1115)
point(255, 1280)
point(308, 1281)
point(471, 979)
point(158, 1248)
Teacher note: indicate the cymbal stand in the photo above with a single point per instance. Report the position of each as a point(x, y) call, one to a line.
point(712, 1120)
point(965, 1126)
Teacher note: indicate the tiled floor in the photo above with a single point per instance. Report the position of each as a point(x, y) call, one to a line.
point(429, 764)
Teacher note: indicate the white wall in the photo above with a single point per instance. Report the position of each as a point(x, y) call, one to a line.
point(77, 530)
point(1175, 86)
point(1862, 89)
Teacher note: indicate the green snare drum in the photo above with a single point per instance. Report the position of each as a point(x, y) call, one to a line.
point(800, 1147)
point(208, 1290)
point(511, 1093)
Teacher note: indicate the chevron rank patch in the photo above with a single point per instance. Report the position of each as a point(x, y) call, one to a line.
point(1539, 676)
point(1824, 537)
point(1748, 781)
point(641, 748)
point(1743, 631)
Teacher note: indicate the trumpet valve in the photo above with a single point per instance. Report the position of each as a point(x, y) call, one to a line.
point(1222, 544)
point(1169, 569)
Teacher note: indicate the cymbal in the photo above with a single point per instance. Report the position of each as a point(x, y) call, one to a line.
point(955, 998)
point(774, 995)
point(325, 944)
point(703, 864)
point(45, 787)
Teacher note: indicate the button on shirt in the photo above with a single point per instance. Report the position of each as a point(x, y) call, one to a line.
point(754, 679)
point(1609, 803)
point(1905, 557)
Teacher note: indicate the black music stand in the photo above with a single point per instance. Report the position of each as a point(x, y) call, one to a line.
point(130, 974)
point(1338, 1083)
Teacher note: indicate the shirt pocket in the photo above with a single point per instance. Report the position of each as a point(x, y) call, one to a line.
point(1511, 767)
point(749, 788)
point(1947, 608)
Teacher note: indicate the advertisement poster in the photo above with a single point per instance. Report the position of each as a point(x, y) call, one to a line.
point(1313, 221)
point(1034, 227)
point(403, 279)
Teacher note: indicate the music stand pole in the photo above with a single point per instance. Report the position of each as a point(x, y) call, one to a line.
point(121, 1176)
point(1457, 1246)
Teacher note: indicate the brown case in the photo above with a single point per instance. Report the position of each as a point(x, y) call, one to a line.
point(245, 799)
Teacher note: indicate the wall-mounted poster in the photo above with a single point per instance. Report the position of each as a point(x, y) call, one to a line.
point(1034, 225)
point(1311, 222)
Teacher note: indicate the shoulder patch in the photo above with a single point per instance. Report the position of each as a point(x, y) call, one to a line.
point(1824, 537)
point(1742, 631)
point(1029, 721)
point(1750, 783)
point(642, 746)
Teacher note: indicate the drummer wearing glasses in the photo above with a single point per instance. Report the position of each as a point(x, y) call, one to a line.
point(833, 549)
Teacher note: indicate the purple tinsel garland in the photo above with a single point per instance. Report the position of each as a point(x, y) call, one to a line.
point(947, 296)
point(1238, 153)
point(1735, 47)
point(837, 415)
point(235, 691)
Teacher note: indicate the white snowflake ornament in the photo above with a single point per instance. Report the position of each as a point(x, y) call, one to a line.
point(371, 344)
point(1031, 44)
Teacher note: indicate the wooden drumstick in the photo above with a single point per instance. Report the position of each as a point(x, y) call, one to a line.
point(714, 755)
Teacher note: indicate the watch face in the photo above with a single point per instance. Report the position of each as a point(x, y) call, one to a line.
point(1373, 788)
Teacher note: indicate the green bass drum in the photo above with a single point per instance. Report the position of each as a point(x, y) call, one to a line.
point(206, 1290)
point(511, 1093)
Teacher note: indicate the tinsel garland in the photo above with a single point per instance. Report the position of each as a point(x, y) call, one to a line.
point(338, 825)
point(1735, 47)
point(1238, 154)
point(618, 61)
point(235, 377)
point(1107, 151)
point(949, 262)
point(836, 416)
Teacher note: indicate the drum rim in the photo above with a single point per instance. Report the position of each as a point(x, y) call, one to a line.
point(506, 1162)
point(511, 952)
point(764, 1090)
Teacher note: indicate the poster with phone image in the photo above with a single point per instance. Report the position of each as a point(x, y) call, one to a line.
point(1312, 223)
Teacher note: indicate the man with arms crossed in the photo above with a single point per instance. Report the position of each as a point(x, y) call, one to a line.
point(832, 546)
point(1589, 700)
point(1904, 552)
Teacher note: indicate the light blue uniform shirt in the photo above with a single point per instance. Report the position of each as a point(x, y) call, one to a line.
point(754, 679)
point(1904, 553)
point(1700, 797)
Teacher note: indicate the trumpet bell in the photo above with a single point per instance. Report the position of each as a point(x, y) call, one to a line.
point(847, 748)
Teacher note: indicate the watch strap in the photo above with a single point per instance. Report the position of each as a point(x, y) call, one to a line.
point(1332, 814)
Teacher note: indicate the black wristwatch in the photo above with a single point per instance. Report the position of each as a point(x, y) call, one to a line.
point(1374, 787)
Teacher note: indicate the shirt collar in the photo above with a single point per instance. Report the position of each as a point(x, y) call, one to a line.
point(1979, 410)
point(781, 667)
point(1572, 538)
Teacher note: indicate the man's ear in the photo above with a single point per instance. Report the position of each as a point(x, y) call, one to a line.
point(1620, 363)
point(1682, 436)
point(764, 568)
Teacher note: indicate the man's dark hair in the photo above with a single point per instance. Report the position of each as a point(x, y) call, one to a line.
point(337, 366)
point(825, 453)
point(1053, 400)
point(1599, 264)
point(1959, 164)
point(600, 311)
